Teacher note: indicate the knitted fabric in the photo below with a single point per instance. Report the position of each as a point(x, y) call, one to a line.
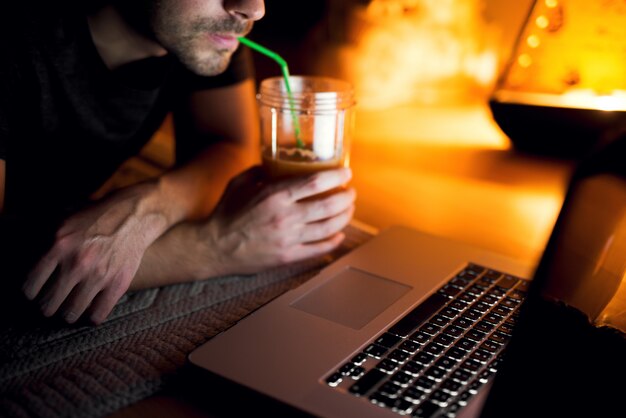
point(49, 369)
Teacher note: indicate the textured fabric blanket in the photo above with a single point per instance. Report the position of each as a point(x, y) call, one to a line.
point(48, 369)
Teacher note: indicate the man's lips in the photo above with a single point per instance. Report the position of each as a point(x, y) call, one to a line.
point(224, 41)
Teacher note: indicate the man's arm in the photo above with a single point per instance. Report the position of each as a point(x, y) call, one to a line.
point(231, 114)
point(255, 226)
point(97, 252)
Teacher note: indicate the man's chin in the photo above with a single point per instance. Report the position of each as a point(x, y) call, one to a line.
point(210, 64)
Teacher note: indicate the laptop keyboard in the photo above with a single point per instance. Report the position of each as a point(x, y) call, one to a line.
point(436, 358)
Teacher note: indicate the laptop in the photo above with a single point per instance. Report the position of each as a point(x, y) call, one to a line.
point(410, 324)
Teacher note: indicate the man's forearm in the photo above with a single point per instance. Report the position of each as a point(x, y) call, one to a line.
point(176, 257)
point(193, 191)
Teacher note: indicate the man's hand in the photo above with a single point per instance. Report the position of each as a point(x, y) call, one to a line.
point(95, 256)
point(258, 226)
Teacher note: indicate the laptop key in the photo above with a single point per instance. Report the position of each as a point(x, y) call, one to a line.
point(481, 355)
point(357, 372)
point(382, 400)
point(401, 378)
point(346, 369)
point(461, 375)
point(444, 339)
point(398, 356)
point(446, 362)
point(456, 353)
point(413, 368)
point(390, 389)
point(424, 383)
point(417, 316)
point(449, 312)
point(499, 337)
point(375, 350)
point(450, 386)
point(402, 406)
point(474, 269)
point(450, 291)
point(420, 337)
point(423, 358)
point(426, 409)
point(387, 366)
point(440, 397)
point(409, 346)
point(435, 373)
point(367, 382)
point(430, 328)
point(413, 393)
point(453, 331)
point(359, 359)
point(334, 379)
point(507, 282)
point(387, 340)
point(475, 335)
point(491, 345)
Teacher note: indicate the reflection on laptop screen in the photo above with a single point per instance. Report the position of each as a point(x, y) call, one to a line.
point(568, 356)
point(588, 270)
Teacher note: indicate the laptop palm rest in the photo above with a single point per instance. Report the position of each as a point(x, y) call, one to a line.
point(352, 297)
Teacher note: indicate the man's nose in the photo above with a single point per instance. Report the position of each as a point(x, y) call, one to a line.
point(246, 9)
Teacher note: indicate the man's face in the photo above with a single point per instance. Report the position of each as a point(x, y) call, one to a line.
point(203, 33)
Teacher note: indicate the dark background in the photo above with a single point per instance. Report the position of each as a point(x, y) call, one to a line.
point(299, 30)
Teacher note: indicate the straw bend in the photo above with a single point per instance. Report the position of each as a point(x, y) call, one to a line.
point(263, 50)
point(285, 70)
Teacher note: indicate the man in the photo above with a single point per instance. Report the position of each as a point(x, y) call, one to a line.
point(83, 89)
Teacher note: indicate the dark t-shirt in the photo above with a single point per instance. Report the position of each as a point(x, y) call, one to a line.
point(67, 122)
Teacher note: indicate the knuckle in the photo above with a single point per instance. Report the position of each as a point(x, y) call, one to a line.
point(282, 242)
point(273, 200)
point(120, 284)
point(277, 223)
point(285, 257)
point(62, 243)
point(315, 183)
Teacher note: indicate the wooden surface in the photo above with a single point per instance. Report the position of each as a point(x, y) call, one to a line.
point(444, 170)
point(451, 172)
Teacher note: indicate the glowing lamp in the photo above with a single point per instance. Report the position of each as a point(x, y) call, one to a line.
point(564, 87)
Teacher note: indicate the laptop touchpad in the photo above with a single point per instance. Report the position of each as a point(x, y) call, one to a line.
point(351, 298)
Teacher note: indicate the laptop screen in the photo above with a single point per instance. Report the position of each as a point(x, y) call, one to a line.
point(567, 356)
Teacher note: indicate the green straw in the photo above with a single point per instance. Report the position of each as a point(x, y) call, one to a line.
point(285, 70)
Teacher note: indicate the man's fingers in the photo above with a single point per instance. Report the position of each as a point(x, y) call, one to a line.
point(317, 248)
point(318, 183)
point(58, 289)
point(318, 209)
point(39, 275)
point(104, 302)
point(323, 229)
point(78, 301)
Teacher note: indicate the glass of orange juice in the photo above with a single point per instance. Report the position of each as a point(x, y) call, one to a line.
point(306, 125)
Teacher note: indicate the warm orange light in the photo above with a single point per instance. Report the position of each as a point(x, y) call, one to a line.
point(421, 52)
point(542, 22)
point(574, 99)
point(551, 3)
point(463, 126)
point(533, 41)
point(525, 60)
point(573, 46)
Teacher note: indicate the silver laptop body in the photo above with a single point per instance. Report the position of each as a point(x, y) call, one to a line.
point(287, 349)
